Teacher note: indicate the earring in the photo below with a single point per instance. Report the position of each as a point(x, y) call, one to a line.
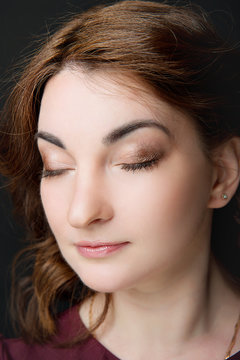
point(224, 196)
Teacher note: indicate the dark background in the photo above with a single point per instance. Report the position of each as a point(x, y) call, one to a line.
point(22, 24)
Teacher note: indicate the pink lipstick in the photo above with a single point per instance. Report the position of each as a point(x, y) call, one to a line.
point(98, 250)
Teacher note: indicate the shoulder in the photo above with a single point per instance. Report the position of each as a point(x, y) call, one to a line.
point(69, 324)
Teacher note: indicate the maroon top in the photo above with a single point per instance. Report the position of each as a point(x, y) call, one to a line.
point(69, 324)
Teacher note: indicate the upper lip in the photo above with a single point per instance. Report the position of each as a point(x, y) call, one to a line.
point(98, 243)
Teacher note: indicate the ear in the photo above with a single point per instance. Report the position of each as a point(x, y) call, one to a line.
point(226, 173)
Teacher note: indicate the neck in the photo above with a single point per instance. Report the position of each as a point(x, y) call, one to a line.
point(191, 312)
point(176, 311)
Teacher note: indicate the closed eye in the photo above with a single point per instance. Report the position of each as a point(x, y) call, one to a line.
point(146, 165)
point(51, 173)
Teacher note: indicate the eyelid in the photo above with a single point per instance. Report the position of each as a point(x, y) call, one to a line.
point(55, 163)
point(54, 155)
point(142, 155)
point(144, 165)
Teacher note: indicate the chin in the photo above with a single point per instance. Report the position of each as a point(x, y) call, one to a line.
point(102, 287)
point(104, 284)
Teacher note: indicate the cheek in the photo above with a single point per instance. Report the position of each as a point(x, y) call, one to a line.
point(171, 200)
point(54, 202)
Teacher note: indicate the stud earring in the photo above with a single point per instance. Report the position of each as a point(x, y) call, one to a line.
point(224, 196)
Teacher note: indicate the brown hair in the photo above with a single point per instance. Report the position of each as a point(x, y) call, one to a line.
point(176, 52)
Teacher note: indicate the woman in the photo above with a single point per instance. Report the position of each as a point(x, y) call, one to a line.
point(126, 122)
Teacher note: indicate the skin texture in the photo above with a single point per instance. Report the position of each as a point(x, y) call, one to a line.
point(93, 191)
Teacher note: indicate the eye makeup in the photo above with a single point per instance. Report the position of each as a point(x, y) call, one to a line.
point(136, 155)
point(53, 167)
point(144, 158)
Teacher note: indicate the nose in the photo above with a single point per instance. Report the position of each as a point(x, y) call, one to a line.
point(89, 203)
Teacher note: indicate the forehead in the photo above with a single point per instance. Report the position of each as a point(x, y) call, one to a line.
point(92, 103)
point(75, 85)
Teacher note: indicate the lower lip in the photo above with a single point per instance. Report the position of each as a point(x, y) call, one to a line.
point(99, 251)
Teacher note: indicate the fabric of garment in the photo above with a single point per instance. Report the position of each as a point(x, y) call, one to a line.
point(69, 325)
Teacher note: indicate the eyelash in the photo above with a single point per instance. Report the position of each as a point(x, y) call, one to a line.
point(145, 165)
point(51, 173)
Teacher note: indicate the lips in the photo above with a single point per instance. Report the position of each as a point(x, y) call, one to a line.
point(90, 249)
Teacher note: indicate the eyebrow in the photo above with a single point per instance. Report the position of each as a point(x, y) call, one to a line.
point(50, 138)
point(126, 129)
point(113, 136)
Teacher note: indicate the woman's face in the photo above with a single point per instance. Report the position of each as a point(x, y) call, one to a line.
point(125, 183)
